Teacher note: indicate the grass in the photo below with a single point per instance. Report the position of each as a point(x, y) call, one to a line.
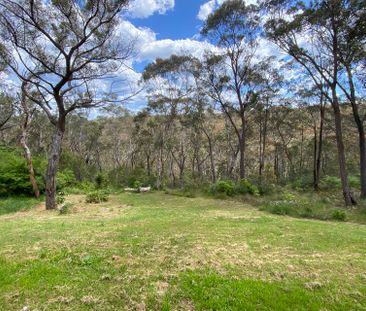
point(155, 251)
point(15, 204)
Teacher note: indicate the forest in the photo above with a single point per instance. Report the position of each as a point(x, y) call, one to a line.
point(122, 169)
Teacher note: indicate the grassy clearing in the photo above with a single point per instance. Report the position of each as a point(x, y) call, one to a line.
point(160, 252)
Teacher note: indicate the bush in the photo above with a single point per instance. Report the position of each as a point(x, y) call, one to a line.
point(65, 178)
point(14, 176)
point(246, 187)
point(65, 209)
point(97, 197)
point(339, 215)
point(222, 187)
point(101, 180)
point(60, 198)
point(281, 208)
point(330, 183)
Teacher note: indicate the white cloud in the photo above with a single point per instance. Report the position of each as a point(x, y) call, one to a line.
point(208, 7)
point(146, 8)
point(149, 48)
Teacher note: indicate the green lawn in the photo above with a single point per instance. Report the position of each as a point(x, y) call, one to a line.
point(160, 252)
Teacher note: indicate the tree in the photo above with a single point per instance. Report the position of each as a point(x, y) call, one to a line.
point(27, 115)
point(62, 47)
point(234, 27)
point(319, 20)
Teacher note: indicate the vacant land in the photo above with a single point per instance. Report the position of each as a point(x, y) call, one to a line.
point(160, 252)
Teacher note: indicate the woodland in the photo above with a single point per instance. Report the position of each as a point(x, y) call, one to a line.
point(236, 186)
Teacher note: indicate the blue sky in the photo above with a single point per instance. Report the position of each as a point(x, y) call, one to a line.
point(162, 28)
point(179, 23)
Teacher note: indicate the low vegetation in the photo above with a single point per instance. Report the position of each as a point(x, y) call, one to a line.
point(156, 251)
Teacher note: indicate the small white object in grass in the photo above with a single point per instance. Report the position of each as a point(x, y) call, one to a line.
point(25, 308)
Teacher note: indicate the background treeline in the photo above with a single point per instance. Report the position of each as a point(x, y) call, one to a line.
point(181, 151)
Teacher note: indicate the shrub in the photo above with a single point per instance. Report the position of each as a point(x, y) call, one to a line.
point(280, 207)
point(65, 209)
point(222, 187)
point(330, 182)
point(354, 181)
point(65, 178)
point(246, 187)
point(60, 198)
point(339, 215)
point(101, 180)
point(97, 197)
point(287, 196)
point(14, 176)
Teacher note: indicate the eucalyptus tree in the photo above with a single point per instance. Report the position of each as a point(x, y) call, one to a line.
point(233, 75)
point(321, 22)
point(170, 89)
point(27, 112)
point(61, 48)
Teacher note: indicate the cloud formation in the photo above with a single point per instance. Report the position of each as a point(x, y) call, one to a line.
point(210, 6)
point(146, 8)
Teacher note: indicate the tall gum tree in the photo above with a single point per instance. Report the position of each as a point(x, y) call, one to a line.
point(60, 49)
point(234, 29)
point(320, 22)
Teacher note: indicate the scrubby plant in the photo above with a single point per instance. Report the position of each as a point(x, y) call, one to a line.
point(65, 209)
point(339, 215)
point(287, 196)
point(280, 207)
point(244, 186)
point(330, 183)
point(222, 187)
point(101, 180)
point(14, 175)
point(98, 196)
point(65, 178)
point(60, 198)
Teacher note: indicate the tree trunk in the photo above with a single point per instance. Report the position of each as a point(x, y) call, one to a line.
point(53, 161)
point(318, 144)
point(348, 198)
point(24, 138)
point(361, 132)
point(263, 141)
point(28, 158)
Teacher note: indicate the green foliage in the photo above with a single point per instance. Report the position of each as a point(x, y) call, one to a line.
point(14, 176)
point(246, 187)
point(101, 180)
point(137, 184)
point(281, 208)
point(222, 187)
point(339, 215)
point(330, 183)
point(65, 178)
point(83, 187)
point(60, 198)
point(354, 181)
point(14, 204)
point(97, 196)
point(65, 209)
point(227, 188)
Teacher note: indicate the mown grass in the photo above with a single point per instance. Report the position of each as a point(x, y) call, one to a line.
point(160, 252)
